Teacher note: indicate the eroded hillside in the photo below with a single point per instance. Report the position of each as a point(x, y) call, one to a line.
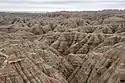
point(62, 47)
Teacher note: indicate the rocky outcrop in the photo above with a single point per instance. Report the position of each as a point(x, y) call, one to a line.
point(62, 47)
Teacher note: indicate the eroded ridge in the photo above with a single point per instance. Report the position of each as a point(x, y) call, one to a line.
point(62, 47)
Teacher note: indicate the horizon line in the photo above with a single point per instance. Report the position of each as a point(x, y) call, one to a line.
point(89, 10)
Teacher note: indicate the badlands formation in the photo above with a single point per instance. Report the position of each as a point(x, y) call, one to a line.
point(62, 47)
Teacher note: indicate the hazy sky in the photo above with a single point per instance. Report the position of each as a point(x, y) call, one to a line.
point(59, 5)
